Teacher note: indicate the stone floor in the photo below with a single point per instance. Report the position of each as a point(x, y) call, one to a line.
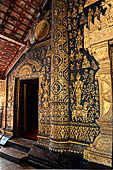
point(7, 165)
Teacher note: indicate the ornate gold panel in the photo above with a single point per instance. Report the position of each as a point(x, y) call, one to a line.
point(101, 150)
point(32, 65)
point(3, 101)
point(75, 93)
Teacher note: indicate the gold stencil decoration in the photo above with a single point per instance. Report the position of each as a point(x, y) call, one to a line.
point(89, 2)
point(2, 88)
point(42, 30)
point(25, 70)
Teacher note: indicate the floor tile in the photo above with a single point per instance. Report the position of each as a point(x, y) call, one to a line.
point(7, 165)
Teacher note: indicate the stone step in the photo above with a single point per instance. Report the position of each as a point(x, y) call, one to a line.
point(13, 155)
point(21, 144)
point(37, 164)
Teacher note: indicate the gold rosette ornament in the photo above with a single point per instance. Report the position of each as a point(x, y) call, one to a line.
point(42, 30)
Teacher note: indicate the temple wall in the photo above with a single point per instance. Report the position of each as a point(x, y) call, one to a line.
point(97, 41)
point(34, 64)
point(2, 102)
point(84, 108)
point(75, 86)
point(59, 78)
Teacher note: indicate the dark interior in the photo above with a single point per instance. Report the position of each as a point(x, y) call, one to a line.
point(29, 108)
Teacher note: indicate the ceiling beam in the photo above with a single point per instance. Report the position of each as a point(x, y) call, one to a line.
point(16, 58)
point(2, 11)
point(11, 40)
point(2, 64)
point(10, 23)
point(22, 9)
point(5, 4)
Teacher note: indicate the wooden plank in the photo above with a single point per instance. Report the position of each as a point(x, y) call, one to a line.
point(11, 40)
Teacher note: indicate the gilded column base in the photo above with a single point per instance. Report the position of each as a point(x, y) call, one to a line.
point(100, 152)
point(77, 148)
point(67, 146)
point(43, 140)
point(58, 147)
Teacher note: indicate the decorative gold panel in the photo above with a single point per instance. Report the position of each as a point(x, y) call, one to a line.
point(33, 64)
point(101, 150)
point(3, 101)
point(75, 93)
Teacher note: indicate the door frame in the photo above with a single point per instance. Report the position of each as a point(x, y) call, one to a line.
point(17, 130)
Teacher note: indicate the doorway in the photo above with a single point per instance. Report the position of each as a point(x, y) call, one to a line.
point(27, 118)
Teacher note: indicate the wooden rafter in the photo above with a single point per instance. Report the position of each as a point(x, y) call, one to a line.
point(11, 40)
point(16, 21)
point(7, 15)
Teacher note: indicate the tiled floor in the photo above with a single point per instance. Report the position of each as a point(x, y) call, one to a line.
point(7, 165)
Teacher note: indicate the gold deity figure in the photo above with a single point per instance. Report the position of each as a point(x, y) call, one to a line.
point(85, 63)
point(80, 112)
point(79, 40)
point(72, 55)
point(90, 14)
point(74, 14)
point(48, 51)
point(85, 111)
point(78, 85)
point(46, 94)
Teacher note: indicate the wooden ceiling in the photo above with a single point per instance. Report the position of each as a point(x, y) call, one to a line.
point(16, 18)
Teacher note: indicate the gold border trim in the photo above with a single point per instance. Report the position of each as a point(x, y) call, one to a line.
point(42, 137)
point(69, 142)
